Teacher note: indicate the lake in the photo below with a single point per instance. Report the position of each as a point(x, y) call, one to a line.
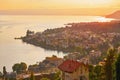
point(15, 51)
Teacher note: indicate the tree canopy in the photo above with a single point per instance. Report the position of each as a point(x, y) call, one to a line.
point(19, 67)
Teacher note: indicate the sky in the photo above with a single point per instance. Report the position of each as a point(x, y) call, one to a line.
point(94, 7)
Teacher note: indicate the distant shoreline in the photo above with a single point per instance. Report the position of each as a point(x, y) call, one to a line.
point(115, 15)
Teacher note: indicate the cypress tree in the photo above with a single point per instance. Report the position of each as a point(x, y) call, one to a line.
point(4, 72)
point(117, 65)
point(109, 69)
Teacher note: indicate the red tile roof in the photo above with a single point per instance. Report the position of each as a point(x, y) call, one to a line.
point(69, 66)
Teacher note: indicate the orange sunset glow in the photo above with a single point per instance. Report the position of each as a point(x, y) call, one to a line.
point(59, 39)
point(78, 7)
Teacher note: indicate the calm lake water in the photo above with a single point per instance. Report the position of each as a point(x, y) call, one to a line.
point(15, 51)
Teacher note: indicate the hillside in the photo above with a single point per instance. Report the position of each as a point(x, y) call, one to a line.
point(115, 15)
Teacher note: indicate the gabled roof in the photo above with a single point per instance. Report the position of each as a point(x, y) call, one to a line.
point(69, 66)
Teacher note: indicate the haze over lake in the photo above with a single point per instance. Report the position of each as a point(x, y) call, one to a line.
point(15, 51)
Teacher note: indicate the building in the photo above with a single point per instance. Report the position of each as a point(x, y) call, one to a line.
point(49, 65)
point(37, 76)
point(74, 70)
point(11, 76)
point(29, 33)
point(54, 60)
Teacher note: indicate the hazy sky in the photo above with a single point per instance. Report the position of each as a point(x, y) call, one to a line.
point(106, 5)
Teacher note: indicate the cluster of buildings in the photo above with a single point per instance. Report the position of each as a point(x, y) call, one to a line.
point(75, 39)
point(49, 65)
point(71, 67)
point(69, 38)
point(93, 38)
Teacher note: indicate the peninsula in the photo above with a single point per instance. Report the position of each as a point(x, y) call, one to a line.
point(77, 37)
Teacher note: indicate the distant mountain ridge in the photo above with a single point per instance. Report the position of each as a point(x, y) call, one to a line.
point(115, 15)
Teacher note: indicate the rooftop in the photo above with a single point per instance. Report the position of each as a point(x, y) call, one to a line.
point(69, 66)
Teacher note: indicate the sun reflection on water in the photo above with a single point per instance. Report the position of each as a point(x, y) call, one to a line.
point(103, 19)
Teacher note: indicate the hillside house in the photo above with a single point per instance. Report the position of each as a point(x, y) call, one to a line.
point(74, 70)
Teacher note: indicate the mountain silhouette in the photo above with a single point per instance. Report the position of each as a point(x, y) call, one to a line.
point(115, 15)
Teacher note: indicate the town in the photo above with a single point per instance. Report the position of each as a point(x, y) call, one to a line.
point(92, 38)
point(90, 51)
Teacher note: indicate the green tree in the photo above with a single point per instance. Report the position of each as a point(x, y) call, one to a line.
point(44, 79)
point(97, 71)
point(57, 76)
point(91, 72)
point(32, 77)
point(19, 67)
point(102, 76)
point(23, 66)
point(117, 65)
point(16, 67)
point(4, 72)
point(109, 69)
